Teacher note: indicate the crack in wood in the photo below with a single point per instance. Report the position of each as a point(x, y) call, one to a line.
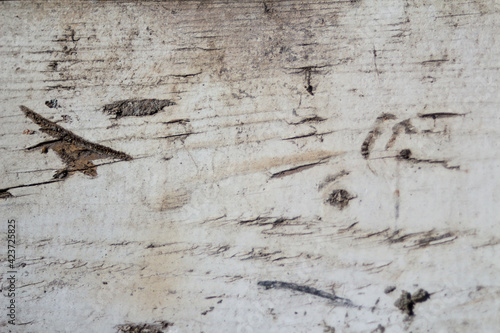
point(185, 75)
point(4, 192)
point(406, 154)
point(298, 168)
point(437, 115)
point(311, 119)
point(307, 290)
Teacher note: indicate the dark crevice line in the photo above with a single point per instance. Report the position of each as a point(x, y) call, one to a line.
point(296, 169)
point(32, 171)
point(308, 135)
point(29, 185)
point(349, 227)
point(41, 144)
point(184, 75)
point(301, 136)
point(405, 155)
point(373, 234)
point(176, 121)
point(440, 115)
point(306, 289)
point(176, 135)
point(309, 120)
point(434, 61)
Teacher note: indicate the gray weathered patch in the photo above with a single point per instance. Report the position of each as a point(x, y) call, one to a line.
point(136, 107)
point(144, 328)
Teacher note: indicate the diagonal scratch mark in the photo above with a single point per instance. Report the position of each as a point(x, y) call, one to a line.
point(306, 289)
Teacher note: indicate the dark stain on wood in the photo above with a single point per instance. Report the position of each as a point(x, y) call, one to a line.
point(136, 107)
point(406, 302)
point(389, 289)
point(339, 198)
point(405, 125)
point(332, 178)
point(52, 103)
point(369, 141)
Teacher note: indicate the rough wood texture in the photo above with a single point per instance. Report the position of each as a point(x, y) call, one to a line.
point(291, 166)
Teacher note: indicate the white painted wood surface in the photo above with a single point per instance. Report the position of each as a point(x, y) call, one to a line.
point(345, 146)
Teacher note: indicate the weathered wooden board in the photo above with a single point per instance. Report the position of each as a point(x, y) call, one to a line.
point(251, 166)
